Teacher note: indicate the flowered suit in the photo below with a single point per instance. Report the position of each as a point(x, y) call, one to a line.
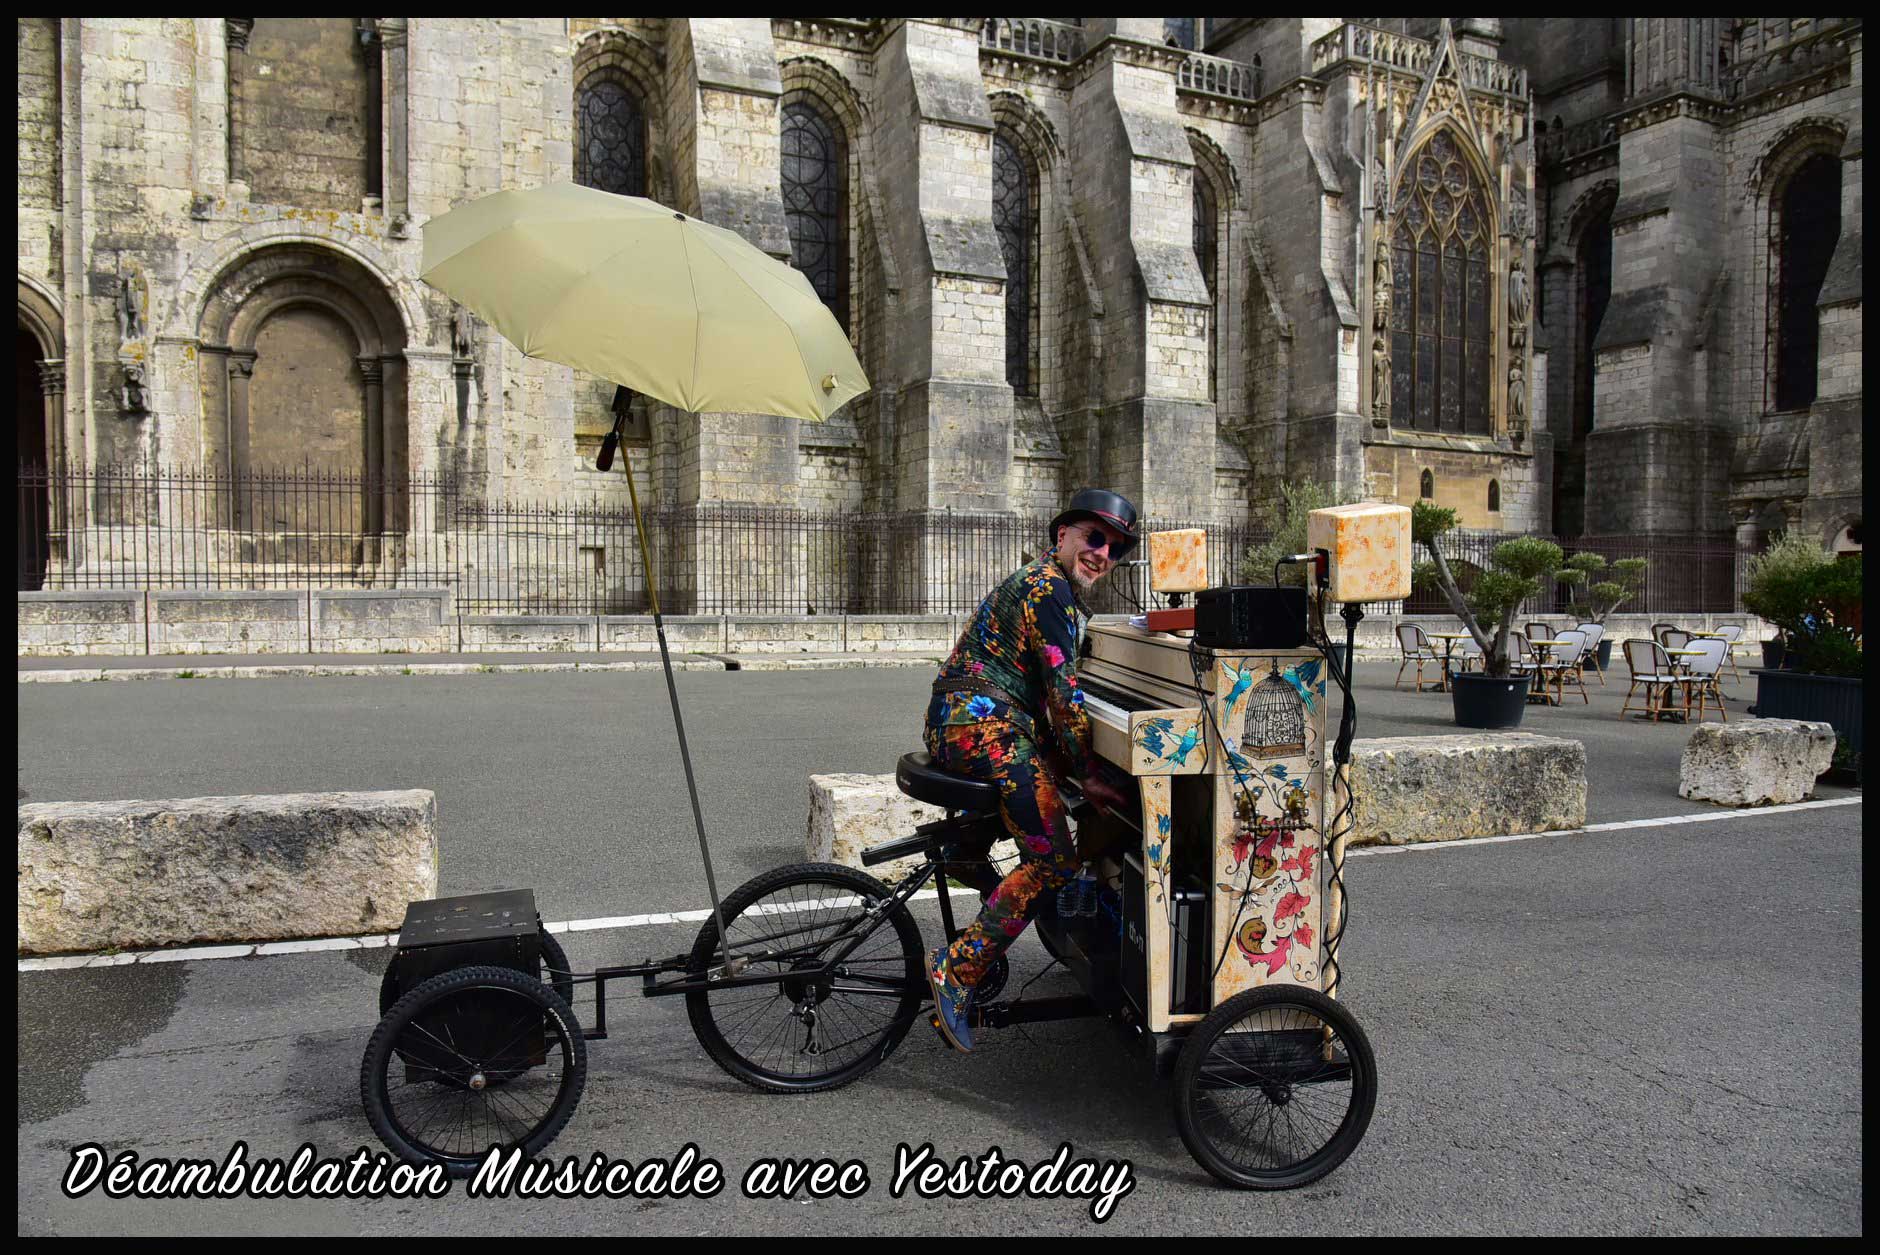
point(1022, 645)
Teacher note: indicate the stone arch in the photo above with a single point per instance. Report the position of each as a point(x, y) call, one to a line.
point(302, 350)
point(611, 50)
point(1220, 167)
point(1471, 153)
point(1781, 160)
point(1791, 146)
point(39, 435)
point(1033, 129)
point(185, 313)
point(1587, 207)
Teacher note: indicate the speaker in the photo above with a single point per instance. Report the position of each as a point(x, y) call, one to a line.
point(1249, 616)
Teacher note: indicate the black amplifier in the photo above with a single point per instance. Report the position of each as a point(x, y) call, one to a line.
point(1250, 616)
point(1188, 957)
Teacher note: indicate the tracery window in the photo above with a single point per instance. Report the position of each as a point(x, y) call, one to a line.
point(1439, 318)
point(610, 147)
point(1015, 218)
point(815, 201)
point(1206, 237)
point(1809, 227)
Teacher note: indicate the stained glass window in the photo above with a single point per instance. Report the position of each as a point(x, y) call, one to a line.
point(1810, 227)
point(1440, 321)
point(1206, 226)
point(814, 181)
point(610, 147)
point(1015, 218)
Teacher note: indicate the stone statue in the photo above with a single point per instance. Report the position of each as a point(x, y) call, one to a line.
point(1380, 378)
point(463, 333)
point(1518, 296)
point(1380, 284)
point(131, 398)
point(133, 293)
point(1517, 402)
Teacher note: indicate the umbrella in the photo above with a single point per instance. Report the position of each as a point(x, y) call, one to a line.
point(659, 302)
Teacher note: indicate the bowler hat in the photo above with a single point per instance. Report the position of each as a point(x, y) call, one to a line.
point(1110, 508)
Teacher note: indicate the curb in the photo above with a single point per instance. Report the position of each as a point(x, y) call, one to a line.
point(691, 662)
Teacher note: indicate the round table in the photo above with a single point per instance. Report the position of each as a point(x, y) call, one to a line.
point(1545, 645)
point(1449, 640)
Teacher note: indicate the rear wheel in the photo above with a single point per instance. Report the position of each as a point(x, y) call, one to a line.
point(472, 1058)
point(1275, 1088)
point(833, 1012)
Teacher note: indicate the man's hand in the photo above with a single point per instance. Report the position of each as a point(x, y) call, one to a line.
point(1102, 796)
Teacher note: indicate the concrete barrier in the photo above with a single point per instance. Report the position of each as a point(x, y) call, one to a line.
point(783, 634)
point(255, 621)
point(383, 620)
point(685, 633)
point(516, 633)
point(1755, 762)
point(892, 633)
point(1407, 790)
point(850, 813)
point(138, 875)
point(78, 622)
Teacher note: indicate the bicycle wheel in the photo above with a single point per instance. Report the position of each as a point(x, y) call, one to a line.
point(1275, 1088)
point(475, 1057)
point(812, 1029)
point(554, 968)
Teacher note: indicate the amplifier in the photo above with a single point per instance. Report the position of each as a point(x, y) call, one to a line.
point(1250, 616)
point(1188, 960)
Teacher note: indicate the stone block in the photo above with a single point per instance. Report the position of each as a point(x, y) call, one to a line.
point(263, 621)
point(568, 633)
point(792, 633)
point(685, 633)
point(1755, 762)
point(1412, 789)
point(891, 633)
point(382, 620)
point(850, 813)
point(143, 874)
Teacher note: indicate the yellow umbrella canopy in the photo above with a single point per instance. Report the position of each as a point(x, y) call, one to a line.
point(627, 289)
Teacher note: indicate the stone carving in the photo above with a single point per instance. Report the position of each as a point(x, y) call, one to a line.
point(1517, 403)
point(1519, 298)
point(401, 227)
point(1380, 379)
point(463, 333)
point(132, 302)
point(200, 207)
point(1380, 283)
point(1517, 224)
point(131, 395)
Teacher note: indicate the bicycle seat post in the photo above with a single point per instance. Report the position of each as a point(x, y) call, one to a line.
point(941, 853)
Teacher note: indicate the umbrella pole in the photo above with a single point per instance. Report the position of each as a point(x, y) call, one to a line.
point(678, 720)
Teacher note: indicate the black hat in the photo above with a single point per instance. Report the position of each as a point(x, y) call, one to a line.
point(1111, 508)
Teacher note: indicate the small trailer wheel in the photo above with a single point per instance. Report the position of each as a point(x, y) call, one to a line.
point(1275, 1088)
point(473, 1058)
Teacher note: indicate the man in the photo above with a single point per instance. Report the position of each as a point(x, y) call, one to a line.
point(1007, 708)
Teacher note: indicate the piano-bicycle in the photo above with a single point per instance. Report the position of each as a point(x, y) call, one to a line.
point(1212, 944)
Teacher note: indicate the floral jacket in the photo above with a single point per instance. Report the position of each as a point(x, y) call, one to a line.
point(1023, 641)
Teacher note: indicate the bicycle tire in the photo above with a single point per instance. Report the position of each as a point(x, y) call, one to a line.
point(406, 1037)
point(713, 1012)
point(1268, 1065)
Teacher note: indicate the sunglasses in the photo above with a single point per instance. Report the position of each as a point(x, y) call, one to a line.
point(1099, 541)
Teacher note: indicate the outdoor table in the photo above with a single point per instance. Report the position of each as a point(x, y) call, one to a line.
point(1449, 640)
point(1542, 651)
point(1674, 655)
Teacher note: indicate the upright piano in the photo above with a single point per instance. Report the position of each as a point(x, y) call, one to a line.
point(1228, 751)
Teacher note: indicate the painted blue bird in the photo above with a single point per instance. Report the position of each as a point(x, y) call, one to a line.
point(1305, 681)
point(1190, 739)
point(1243, 680)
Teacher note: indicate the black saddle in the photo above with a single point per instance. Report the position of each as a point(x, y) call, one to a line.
point(916, 776)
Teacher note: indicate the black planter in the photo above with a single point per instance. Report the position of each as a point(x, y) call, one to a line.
point(1773, 653)
point(1605, 654)
point(1486, 701)
point(1830, 699)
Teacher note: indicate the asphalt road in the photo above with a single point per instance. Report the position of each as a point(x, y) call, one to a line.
point(1650, 1030)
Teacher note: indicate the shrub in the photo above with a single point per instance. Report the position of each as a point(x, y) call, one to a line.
point(1487, 611)
point(1285, 520)
point(1592, 601)
point(1813, 600)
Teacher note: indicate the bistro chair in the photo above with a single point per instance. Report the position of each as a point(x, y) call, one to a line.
point(1731, 634)
point(1416, 648)
point(1524, 659)
point(1652, 669)
point(1568, 663)
point(1538, 631)
point(1674, 638)
point(1595, 633)
point(1701, 672)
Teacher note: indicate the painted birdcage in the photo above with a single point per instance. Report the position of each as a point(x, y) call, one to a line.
point(1276, 718)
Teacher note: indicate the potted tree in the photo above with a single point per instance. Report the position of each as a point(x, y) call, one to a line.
point(1286, 525)
point(1770, 582)
point(1591, 599)
point(1497, 697)
point(1814, 601)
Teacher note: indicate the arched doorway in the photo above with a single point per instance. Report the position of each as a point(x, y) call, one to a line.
point(303, 386)
point(38, 438)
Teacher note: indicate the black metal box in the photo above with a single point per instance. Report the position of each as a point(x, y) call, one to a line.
point(499, 929)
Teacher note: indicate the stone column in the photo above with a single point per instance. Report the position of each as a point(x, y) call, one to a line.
point(241, 371)
point(238, 29)
point(52, 388)
point(394, 59)
point(211, 110)
point(373, 520)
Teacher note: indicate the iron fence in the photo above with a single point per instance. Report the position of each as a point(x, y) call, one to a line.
point(176, 528)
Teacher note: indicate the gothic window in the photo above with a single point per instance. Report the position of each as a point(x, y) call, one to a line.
point(1427, 486)
point(1595, 266)
point(1806, 232)
point(1182, 32)
point(1015, 218)
point(1494, 496)
point(610, 144)
point(1206, 237)
point(815, 201)
point(1440, 341)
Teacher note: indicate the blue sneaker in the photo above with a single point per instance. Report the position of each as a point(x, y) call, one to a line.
point(950, 1000)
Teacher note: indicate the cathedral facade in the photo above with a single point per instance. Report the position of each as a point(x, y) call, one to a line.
point(1581, 277)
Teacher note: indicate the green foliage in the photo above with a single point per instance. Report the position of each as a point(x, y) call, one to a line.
point(1427, 522)
point(1814, 601)
point(1515, 568)
point(1285, 520)
point(1603, 596)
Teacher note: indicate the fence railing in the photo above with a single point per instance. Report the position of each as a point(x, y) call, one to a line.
point(174, 528)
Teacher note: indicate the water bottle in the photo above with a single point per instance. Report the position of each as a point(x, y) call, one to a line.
point(1079, 897)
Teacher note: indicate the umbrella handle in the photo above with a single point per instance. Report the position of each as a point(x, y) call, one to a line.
point(622, 400)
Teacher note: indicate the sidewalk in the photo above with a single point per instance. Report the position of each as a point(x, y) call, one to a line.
point(39, 670)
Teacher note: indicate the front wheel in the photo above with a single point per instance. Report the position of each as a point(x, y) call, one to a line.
point(473, 1058)
point(834, 1010)
point(1275, 1088)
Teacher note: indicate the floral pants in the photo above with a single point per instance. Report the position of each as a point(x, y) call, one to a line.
point(1033, 812)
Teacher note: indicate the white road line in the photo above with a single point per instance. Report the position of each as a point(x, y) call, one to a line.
point(378, 940)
